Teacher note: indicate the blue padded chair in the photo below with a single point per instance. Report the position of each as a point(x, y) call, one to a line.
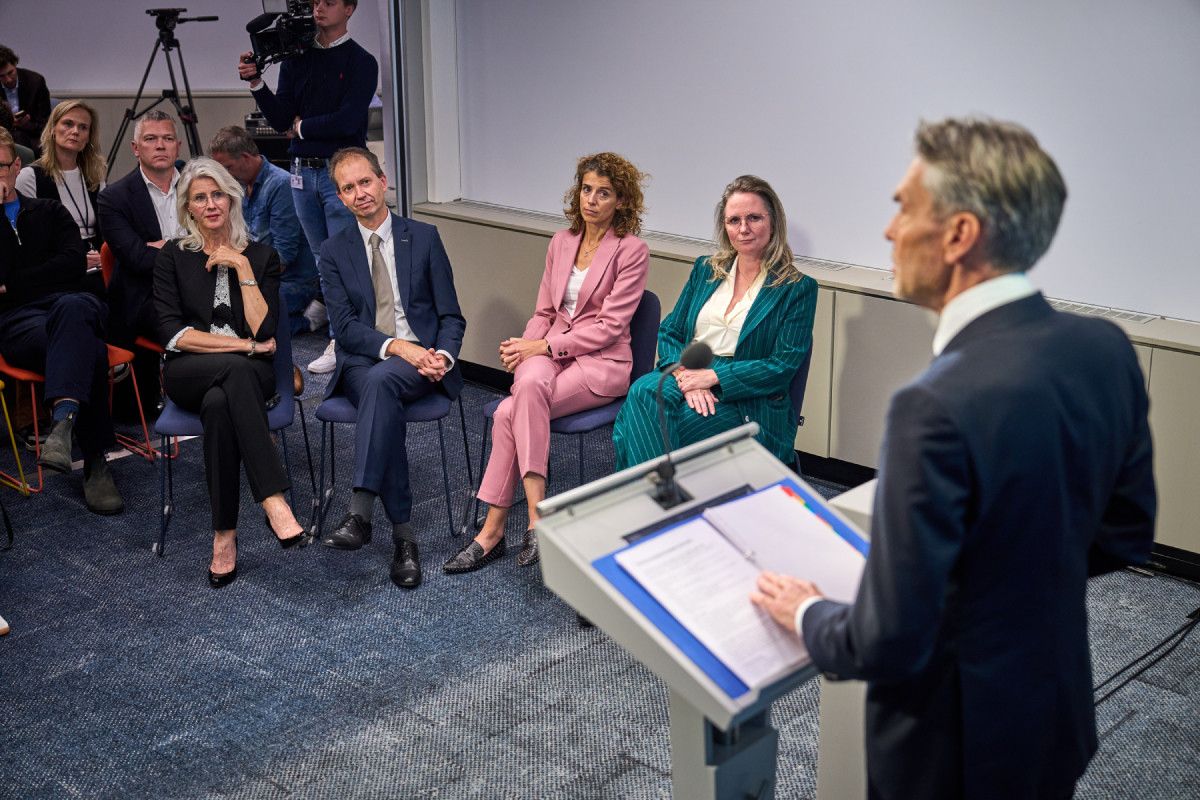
point(643, 340)
point(174, 421)
point(432, 407)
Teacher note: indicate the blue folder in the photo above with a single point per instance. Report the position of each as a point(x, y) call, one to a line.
point(662, 619)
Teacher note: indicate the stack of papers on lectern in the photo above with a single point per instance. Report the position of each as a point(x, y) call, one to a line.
point(703, 571)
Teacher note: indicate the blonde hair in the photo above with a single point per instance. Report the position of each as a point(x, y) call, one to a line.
point(203, 167)
point(92, 164)
point(778, 256)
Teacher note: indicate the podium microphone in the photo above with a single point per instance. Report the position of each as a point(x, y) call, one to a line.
point(696, 355)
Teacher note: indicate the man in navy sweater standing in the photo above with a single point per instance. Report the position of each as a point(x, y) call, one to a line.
point(321, 102)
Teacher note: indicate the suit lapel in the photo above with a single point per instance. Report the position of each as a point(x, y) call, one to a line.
point(601, 261)
point(562, 268)
point(402, 247)
point(764, 304)
point(144, 206)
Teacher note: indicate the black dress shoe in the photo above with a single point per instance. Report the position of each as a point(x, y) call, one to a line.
point(529, 550)
point(472, 557)
point(406, 565)
point(300, 538)
point(350, 534)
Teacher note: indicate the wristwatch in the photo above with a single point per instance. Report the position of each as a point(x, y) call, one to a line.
point(253, 347)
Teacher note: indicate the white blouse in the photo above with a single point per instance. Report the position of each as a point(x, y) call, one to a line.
point(574, 283)
point(719, 330)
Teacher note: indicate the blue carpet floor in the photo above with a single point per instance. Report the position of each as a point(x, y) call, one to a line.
point(311, 676)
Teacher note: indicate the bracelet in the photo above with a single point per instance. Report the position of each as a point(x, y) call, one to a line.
point(253, 347)
point(248, 283)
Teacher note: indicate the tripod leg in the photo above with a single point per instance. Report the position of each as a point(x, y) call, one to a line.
point(187, 113)
point(132, 113)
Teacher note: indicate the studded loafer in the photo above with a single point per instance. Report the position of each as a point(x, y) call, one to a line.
point(472, 557)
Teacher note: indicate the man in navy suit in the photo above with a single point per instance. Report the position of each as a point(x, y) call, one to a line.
point(138, 214)
point(391, 300)
point(1016, 466)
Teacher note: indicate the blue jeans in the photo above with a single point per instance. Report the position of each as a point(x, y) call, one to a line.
point(319, 210)
point(298, 291)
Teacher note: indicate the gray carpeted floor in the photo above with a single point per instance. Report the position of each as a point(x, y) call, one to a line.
point(312, 676)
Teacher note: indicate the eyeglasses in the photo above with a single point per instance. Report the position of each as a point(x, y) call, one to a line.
point(202, 200)
point(5, 165)
point(753, 220)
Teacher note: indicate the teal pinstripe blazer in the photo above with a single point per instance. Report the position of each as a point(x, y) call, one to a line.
point(775, 338)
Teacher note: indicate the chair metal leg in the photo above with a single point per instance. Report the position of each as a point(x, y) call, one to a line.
point(287, 466)
point(166, 495)
point(462, 419)
point(445, 477)
point(471, 521)
point(312, 476)
point(22, 485)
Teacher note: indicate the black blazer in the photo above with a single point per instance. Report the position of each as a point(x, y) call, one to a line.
point(184, 291)
point(1015, 466)
point(128, 220)
point(34, 98)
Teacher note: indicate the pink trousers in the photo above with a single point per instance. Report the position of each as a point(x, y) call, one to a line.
point(542, 390)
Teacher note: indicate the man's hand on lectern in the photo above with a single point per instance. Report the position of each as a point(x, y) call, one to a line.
point(781, 595)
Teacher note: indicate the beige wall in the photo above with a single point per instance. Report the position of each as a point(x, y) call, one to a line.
point(866, 345)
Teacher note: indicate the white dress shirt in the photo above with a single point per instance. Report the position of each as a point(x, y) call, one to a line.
point(960, 312)
point(165, 207)
point(404, 331)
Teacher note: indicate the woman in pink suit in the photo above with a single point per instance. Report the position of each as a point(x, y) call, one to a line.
point(574, 353)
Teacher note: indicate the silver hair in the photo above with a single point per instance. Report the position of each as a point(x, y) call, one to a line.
point(156, 115)
point(998, 172)
point(203, 167)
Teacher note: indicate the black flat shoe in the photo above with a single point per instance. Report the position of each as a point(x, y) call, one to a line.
point(472, 557)
point(350, 534)
point(406, 565)
point(291, 541)
point(216, 581)
point(529, 550)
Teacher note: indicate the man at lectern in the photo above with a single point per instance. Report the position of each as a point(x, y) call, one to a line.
point(1016, 466)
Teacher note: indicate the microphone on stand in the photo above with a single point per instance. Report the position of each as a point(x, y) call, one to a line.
point(696, 355)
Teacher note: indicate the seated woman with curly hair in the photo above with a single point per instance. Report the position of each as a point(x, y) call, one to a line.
point(574, 353)
point(750, 304)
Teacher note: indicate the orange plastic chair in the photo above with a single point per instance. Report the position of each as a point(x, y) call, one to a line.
point(20, 484)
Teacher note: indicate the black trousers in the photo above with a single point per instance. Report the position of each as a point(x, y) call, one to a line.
point(62, 336)
point(229, 392)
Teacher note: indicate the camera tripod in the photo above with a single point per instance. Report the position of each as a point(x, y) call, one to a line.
point(166, 19)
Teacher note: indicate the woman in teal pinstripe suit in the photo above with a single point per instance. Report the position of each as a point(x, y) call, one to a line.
point(751, 305)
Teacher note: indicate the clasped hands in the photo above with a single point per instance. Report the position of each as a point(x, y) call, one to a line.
point(431, 364)
point(696, 385)
point(514, 352)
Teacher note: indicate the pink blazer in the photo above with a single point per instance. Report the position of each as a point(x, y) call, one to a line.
point(598, 335)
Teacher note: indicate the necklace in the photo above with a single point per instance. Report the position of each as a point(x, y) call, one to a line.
point(586, 252)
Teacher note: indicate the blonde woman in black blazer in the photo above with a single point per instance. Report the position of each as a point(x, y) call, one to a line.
point(217, 297)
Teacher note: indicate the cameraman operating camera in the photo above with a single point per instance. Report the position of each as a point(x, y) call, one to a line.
point(321, 103)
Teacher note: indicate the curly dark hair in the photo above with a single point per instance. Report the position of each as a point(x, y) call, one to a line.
point(7, 56)
point(627, 182)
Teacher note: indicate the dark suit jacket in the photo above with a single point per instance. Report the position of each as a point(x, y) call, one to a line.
point(184, 291)
point(1015, 466)
point(128, 221)
point(427, 295)
point(34, 98)
point(43, 256)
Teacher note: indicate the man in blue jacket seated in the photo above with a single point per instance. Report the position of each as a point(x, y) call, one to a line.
point(321, 101)
point(1016, 466)
point(48, 324)
point(394, 311)
point(271, 216)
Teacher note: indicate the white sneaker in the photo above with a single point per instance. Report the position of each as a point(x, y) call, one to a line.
point(324, 362)
point(316, 315)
